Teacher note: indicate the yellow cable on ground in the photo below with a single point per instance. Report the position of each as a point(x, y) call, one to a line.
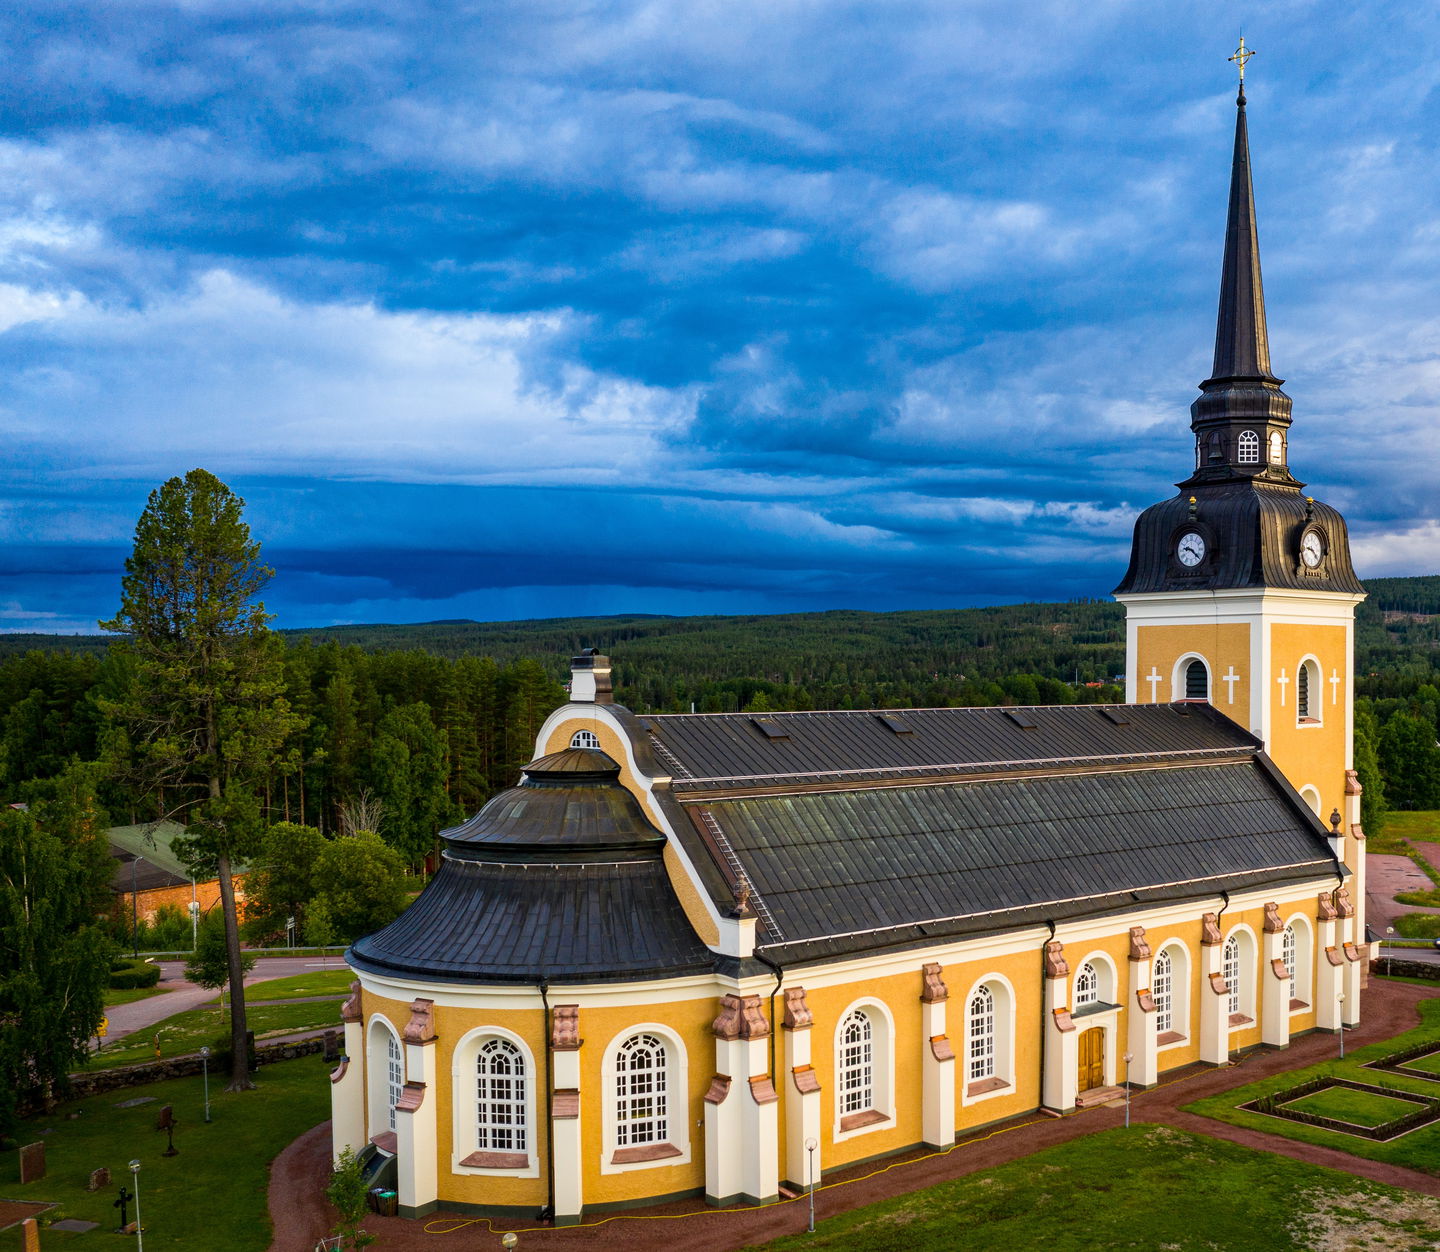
point(452, 1224)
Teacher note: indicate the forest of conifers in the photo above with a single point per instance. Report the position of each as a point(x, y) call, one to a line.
point(429, 720)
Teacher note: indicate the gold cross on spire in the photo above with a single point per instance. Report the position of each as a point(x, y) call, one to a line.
point(1242, 54)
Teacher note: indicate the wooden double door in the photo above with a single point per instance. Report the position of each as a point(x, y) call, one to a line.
point(1092, 1058)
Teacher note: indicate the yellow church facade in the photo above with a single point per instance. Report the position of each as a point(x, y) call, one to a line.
point(723, 955)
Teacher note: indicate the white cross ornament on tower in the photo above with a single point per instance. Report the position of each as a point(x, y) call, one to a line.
point(1153, 678)
point(1230, 679)
point(1284, 682)
point(1335, 681)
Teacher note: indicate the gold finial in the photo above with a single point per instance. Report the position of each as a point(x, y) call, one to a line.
point(1242, 54)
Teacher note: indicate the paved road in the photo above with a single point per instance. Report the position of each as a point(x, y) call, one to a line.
point(126, 1019)
point(1426, 955)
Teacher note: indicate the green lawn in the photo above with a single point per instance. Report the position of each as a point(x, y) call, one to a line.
point(1430, 1064)
point(1147, 1188)
point(211, 1196)
point(1420, 1149)
point(189, 1031)
point(130, 994)
point(1359, 1108)
point(323, 982)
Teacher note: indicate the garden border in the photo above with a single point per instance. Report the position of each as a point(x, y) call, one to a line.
point(1273, 1105)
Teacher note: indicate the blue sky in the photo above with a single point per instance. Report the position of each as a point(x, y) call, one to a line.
point(538, 309)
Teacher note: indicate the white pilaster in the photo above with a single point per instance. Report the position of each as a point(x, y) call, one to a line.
point(1060, 1078)
point(347, 1086)
point(566, 1127)
point(802, 1098)
point(1214, 997)
point(1274, 982)
point(741, 1108)
point(416, 1128)
point(1329, 965)
point(1141, 1041)
point(937, 1063)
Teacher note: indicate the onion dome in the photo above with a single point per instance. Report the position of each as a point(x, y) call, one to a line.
point(561, 878)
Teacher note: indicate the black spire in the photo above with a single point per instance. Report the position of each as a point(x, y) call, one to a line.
point(1242, 416)
point(1242, 349)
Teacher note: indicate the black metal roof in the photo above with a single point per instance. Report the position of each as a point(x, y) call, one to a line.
point(708, 751)
point(560, 878)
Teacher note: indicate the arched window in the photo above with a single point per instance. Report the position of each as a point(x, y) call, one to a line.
point(1230, 971)
point(584, 739)
point(500, 1103)
point(982, 1034)
point(1277, 448)
point(1087, 986)
point(1287, 954)
point(394, 1074)
point(1307, 692)
point(1197, 681)
point(857, 1063)
point(1249, 448)
point(641, 1097)
point(1162, 992)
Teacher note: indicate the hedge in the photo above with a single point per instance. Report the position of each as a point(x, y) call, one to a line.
point(133, 974)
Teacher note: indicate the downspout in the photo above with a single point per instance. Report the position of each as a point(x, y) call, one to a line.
point(1044, 1031)
point(774, 991)
point(548, 1212)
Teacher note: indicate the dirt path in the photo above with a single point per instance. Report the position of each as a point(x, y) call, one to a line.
point(298, 1208)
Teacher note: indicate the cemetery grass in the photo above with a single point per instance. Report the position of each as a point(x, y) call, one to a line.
point(190, 1031)
point(323, 982)
point(210, 1196)
point(1143, 1188)
point(1359, 1108)
point(1419, 1149)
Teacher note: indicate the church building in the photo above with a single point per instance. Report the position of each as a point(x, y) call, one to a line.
point(721, 954)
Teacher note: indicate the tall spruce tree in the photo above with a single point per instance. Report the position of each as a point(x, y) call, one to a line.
point(202, 719)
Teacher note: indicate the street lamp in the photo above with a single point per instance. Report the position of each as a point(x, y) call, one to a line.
point(194, 924)
point(1342, 1025)
point(810, 1146)
point(139, 1229)
point(509, 1240)
point(1129, 1056)
point(205, 1067)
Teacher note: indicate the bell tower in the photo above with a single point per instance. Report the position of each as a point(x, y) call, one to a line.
point(1240, 589)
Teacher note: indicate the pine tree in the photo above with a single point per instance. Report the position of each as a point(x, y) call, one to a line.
point(202, 719)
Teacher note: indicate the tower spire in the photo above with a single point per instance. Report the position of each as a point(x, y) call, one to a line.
point(1241, 417)
point(1242, 348)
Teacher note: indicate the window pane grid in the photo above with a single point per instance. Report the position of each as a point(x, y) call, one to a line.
point(1087, 986)
point(641, 1107)
point(500, 1112)
point(857, 1060)
point(1230, 971)
point(395, 1074)
point(1249, 448)
point(1161, 993)
point(1287, 954)
point(982, 1034)
point(584, 739)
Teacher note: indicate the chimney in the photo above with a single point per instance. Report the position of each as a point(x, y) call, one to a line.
point(590, 678)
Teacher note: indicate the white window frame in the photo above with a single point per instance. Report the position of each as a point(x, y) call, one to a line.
point(1087, 985)
point(1162, 991)
point(980, 1035)
point(1242, 989)
point(1302, 963)
point(465, 1091)
point(1002, 1032)
point(1277, 448)
point(1315, 703)
point(584, 739)
point(382, 1096)
point(1106, 983)
point(678, 1111)
point(1178, 685)
point(1247, 448)
point(1178, 956)
point(882, 1069)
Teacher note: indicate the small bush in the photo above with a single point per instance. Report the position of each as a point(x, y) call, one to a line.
point(133, 974)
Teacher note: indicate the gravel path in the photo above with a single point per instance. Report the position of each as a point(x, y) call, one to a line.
point(300, 1213)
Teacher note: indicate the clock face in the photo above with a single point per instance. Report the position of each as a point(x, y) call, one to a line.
point(1191, 548)
point(1312, 548)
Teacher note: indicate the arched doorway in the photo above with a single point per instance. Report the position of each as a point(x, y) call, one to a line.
point(1092, 1059)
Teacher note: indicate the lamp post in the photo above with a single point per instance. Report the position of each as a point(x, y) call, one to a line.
point(1342, 1025)
point(1129, 1056)
point(810, 1146)
point(194, 925)
point(509, 1240)
point(139, 1229)
point(205, 1069)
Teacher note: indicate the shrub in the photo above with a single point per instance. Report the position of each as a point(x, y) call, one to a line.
point(133, 974)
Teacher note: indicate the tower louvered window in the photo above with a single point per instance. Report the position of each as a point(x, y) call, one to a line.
point(500, 1071)
point(982, 1034)
point(1249, 448)
point(1302, 692)
point(857, 1063)
point(642, 1101)
point(1197, 681)
point(1277, 448)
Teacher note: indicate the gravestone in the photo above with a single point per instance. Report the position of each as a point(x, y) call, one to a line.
point(32, 1162)
point(98, 1178)
point(332, 1046)
point(166, 1118)
point(167, 1123)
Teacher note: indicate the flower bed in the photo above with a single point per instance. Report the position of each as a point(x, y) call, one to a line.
point(1278, 1104)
